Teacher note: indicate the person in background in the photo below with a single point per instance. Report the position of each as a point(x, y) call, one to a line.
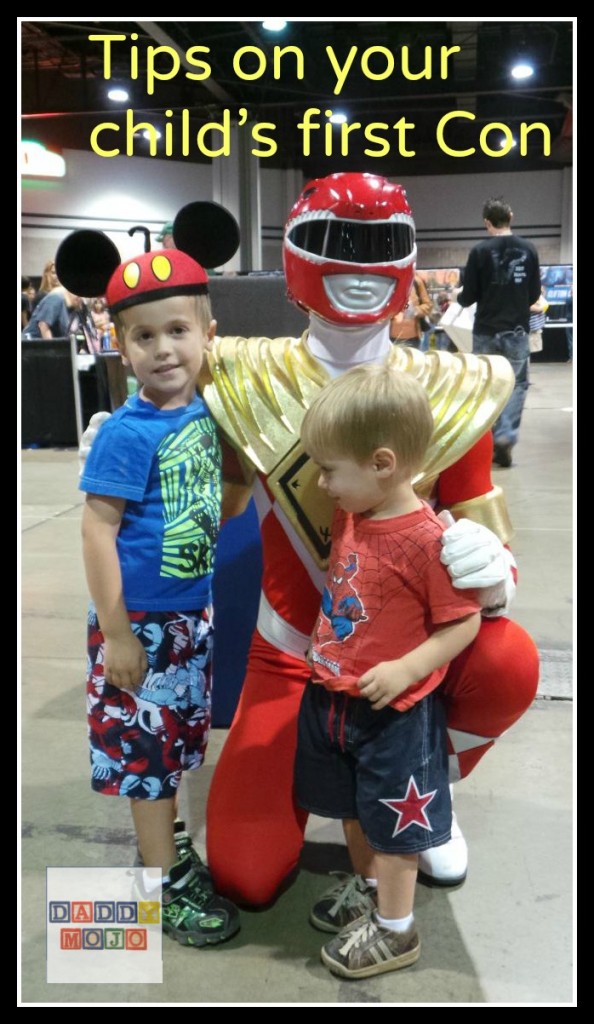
point(452, 284)
point(429, 338)
point(409, 326)
point(52, 317)
point(165, 236)
point(372, 746)
point(536, 323)
point(82, 324)
point(49, 281)
point(26, 299)
point(502, 276)
point(100, 315)
point(442, 302)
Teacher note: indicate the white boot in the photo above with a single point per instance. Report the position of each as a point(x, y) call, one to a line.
point(445, 865)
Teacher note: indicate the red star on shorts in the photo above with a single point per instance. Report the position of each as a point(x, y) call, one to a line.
point(411, 809)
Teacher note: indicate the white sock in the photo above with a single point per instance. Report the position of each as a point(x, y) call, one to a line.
point(372, 882)
point(151, 883)
point(396, 924)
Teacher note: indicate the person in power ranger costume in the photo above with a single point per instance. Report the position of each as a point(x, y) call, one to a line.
point(349, 255)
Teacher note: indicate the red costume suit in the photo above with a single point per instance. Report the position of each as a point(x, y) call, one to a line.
point(349, 258)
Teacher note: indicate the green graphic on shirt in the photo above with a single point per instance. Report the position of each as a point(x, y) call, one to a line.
point(190, 473)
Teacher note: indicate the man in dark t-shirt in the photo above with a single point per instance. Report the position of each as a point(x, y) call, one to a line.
point(502, 276)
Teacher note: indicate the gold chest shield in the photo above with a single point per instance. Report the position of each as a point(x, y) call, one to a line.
point(258, 389)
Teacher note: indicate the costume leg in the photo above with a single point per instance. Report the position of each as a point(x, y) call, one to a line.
point(254, 831)
point(488, 687)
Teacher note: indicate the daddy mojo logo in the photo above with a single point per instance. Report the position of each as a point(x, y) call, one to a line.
point(103, 927)
point(91, 924)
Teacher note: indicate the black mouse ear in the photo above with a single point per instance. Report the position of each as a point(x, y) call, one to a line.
point(207, 232)
point(85, 261)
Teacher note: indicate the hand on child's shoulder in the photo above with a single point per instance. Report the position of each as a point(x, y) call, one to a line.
point(86, 441)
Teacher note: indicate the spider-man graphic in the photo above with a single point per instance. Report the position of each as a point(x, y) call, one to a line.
point(341, 605)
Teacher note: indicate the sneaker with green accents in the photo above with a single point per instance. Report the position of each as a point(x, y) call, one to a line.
point(184, 847)
point(348, 899)
point(192, 914)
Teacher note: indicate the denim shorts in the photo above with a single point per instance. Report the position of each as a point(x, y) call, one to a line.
point(141, 742)
point(388, 768)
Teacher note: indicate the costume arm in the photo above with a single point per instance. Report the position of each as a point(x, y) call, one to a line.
point(86, 441)
point(124, 660)
point(476, 559)
point(473, 548)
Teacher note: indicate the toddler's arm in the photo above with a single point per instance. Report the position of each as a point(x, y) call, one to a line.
point(387, 680)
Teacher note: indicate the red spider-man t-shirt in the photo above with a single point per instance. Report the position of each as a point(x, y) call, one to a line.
point(385, 593)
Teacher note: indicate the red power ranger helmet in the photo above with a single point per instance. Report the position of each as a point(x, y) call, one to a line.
point(349, 249)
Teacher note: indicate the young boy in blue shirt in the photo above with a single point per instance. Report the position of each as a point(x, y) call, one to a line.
point(150, 522)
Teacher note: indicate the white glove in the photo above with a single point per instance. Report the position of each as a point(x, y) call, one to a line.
point(476, 559)
point(86, 441)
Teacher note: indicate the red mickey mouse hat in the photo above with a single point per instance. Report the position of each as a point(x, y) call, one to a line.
point(88, 263)
point(155, 275)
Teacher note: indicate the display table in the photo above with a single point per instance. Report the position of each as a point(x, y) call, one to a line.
point(50, 398)
point(61, 389)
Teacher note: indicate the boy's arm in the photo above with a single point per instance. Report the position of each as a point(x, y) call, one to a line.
point(124, 658)
point(387, 680)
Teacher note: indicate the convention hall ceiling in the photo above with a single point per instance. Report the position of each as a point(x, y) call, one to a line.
point(399, 86)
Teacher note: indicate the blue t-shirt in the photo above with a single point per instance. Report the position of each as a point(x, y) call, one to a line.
point(167, 466)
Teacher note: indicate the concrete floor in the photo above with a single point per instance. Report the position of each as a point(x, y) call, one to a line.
point(505, 937)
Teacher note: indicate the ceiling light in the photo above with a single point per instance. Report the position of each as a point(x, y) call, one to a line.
point(148, 135)
point(117, 95)
point(274, 24)
point(522, 70)
point(337, 118)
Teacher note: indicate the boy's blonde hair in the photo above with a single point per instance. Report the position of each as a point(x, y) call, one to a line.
point(369, 407)
point(203, 315)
